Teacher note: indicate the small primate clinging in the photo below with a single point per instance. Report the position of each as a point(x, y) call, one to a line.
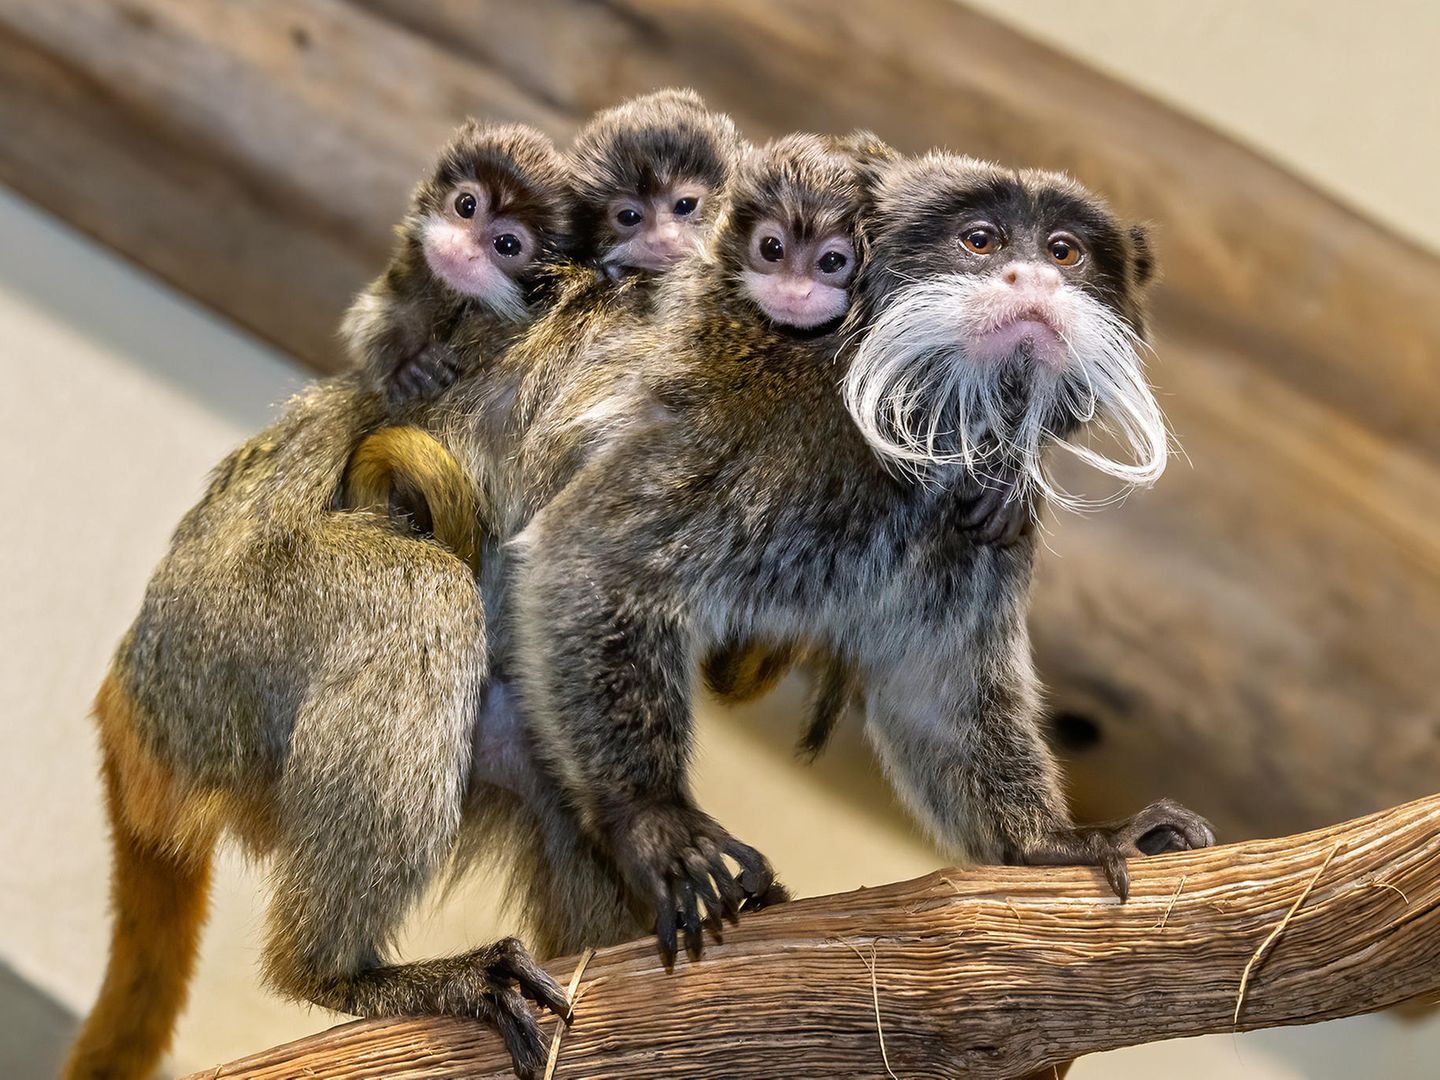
point(644, 180)
point(307, 681)
point(648, 178)
point(762, 491)
point(473, 246)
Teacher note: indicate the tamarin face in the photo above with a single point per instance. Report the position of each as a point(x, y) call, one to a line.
point(647, 177)
point(495, 209)
point(788, 237)
point(1002, 308)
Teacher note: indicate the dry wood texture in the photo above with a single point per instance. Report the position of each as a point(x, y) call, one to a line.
point(1256, 637)
point(981, 973)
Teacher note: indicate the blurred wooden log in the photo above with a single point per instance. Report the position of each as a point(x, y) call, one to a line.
point(253, 154)
point(1255, 637)
point(984, 973)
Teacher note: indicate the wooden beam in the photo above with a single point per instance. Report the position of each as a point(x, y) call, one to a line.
point(984, 973)
point(1254, 637)
point(254, 155)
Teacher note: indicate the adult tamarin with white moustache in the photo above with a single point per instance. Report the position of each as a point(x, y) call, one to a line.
point(307, 681)
point(752, 487)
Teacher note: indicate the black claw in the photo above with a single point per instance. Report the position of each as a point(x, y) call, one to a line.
point(756, 875)
point(775, 894)
point(521, 1034)
point(732, 895)
point(540, 988)
point(1117, 874)
point(515, 964)
point(706, 892)
point(665, 929)
point(694, 943)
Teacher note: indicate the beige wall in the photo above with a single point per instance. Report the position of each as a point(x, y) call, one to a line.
point(1344, 94)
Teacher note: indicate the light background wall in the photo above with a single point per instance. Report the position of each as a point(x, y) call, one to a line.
point(119, 395)
point(1345, 95)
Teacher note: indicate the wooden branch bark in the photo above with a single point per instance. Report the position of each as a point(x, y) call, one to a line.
point(988, 972)
point(1254, 637)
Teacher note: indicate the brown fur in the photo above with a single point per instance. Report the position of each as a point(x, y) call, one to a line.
point(160, 884)
point(405, 468)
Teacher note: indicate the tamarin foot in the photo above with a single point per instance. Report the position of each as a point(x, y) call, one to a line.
point(425, 374)
point(512, 975)
point(674, 856)
point(996, 513)
point(1161, 827)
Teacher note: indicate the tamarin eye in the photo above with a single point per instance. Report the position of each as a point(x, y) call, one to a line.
point(1064, 250)
point(508, 244)
point(771, 249)
point(465, 204)
point(831, 261)
point(629, 217)
point(982, 241)
point(686, 206)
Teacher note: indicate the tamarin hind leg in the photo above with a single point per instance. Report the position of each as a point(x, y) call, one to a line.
point(163, 843)
point(372, 797)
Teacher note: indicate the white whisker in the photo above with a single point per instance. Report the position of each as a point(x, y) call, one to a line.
point(922, 402)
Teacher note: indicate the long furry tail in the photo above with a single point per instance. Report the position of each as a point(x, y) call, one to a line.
point(404, 473)
point(160, 885)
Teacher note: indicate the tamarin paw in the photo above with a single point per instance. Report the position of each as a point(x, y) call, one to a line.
point(676, 857)
point(1161, 827)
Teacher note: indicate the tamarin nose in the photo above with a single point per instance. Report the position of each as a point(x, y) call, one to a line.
point(1031, 275)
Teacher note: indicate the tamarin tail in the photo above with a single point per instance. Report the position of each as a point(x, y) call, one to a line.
point(404, 473)
point(160, 884)
point(741, 671)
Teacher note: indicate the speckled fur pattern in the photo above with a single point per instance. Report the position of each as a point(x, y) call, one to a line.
point(314, 676)
point(642, 146)
point(408, 315)
point(731, 495)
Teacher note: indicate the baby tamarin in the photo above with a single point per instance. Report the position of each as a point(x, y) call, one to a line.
point(644, 181)
point(495, 211)
point(648, 177)
point(308, 681)
point(761, 489)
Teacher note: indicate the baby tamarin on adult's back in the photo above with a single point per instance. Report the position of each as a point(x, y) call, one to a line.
point(762, 490)
point(308, 681)
point(649, 176)
point(494, 212)
point(645, 179)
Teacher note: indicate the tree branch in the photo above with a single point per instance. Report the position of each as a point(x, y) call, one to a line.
point(987, 972)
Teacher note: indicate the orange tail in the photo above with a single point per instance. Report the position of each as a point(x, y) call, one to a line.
point(160, 886)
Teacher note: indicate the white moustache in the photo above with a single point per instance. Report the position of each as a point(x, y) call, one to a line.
point(922, 399)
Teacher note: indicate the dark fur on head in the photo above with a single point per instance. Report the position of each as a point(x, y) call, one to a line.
point(916, 388)
point(813, 184)
point(642, 146)
point(522, 171)
point(921, 202)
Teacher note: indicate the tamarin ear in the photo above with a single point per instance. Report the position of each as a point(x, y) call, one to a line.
point(870, 153)
point(1142, 256)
